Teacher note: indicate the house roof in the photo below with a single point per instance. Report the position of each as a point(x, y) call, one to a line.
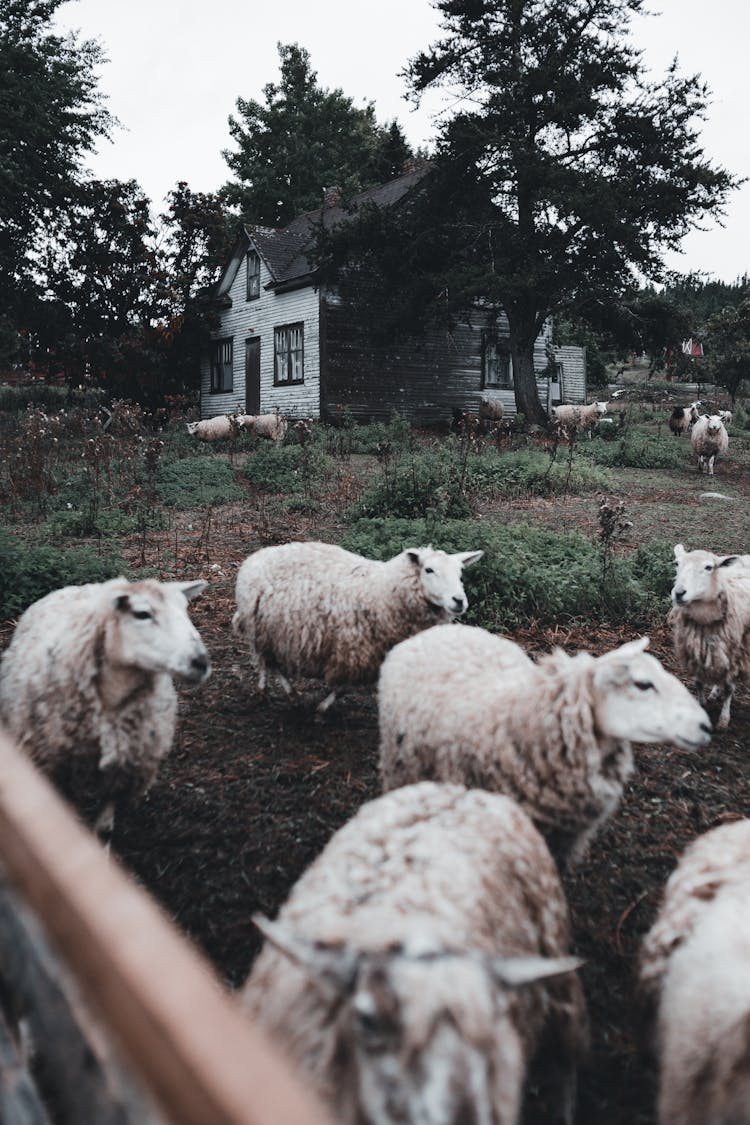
point(286, 250)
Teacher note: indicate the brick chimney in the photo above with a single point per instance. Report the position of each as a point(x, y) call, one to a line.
point(331, 196)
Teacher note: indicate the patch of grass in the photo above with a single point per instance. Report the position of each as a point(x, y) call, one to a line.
point(289, 468)
point(27, 573)
point(638, 449)
point(196, 482)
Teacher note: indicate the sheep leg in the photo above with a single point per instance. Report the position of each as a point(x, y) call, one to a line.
point(284, 683)
point(723, 720)
point(326, 703)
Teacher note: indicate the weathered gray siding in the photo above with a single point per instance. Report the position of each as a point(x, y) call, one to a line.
point(573, 360)
point(259, 318)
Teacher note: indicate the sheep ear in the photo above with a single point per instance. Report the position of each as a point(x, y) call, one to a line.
point(191, 589)
point(468, 558)
point(679, 551)
point(414, 554)
point(515, 972)
point(122, 603)
point(614, 669)
point(729, 560)
point(331, 967)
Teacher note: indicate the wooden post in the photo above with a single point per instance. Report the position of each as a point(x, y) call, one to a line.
point(183, 1035)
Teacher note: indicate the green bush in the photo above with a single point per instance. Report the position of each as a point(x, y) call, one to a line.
point(638, 449)
point(288, 468)
point(109, 523)
point(196, 482)
point(17, 398)
point(416, 485)
point(527, 574)
point(27, 573)
point(530, 472)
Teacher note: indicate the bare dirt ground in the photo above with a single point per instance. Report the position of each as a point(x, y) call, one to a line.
point(254, 789)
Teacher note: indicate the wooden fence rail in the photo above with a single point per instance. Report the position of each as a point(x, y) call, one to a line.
point(181, 1032)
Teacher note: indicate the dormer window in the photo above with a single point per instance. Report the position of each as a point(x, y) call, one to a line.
point(253, 275)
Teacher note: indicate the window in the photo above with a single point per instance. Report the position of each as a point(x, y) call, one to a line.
point(221, 365)
point(253, 276)
point(496, 368)
point(289, 364)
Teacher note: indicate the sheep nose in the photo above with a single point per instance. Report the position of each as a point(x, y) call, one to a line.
point(707, 729)
point(459, 605)
point(200, 664)
point(679, 595)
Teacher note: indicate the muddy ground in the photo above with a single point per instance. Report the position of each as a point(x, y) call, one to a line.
point(254, 789)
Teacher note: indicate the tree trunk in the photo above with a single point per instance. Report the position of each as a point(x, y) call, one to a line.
point(524, 379)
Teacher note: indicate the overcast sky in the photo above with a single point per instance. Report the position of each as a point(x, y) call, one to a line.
point(176, 68)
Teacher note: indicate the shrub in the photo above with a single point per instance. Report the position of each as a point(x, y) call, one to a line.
point(288, 468)
point(196, 482)
point(27, 573)
point(527, 574)
point(638, 449)
point(417, 485)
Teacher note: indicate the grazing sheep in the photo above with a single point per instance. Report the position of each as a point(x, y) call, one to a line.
point(271, 426)
point(315, 609)
point(490, 410)
point(709, 440)
point(695, 983)
point(710, 618)
point(683, 417)
point(86, 684)
point(214, 429)
point(568, 418)
point(421, 959)
point(458, 704)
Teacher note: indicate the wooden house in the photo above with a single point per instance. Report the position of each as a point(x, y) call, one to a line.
point(285, 341)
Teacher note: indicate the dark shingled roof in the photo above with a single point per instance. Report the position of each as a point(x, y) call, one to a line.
point(285, 250)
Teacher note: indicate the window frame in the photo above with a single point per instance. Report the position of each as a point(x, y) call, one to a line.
point(218, 364)
point(491, 350)
point(287, 355)
point(252, 292)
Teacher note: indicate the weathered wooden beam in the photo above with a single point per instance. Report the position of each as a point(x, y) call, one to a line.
point(20, 1103)
point(81, 1076)
point(182, 1033)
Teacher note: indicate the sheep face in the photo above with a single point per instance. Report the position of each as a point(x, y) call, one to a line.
point(637, 700)
point(601, 407)
point(192, 427)
point(440, 575)
point(698, 575)
point(150, 630)
point(423, 1034)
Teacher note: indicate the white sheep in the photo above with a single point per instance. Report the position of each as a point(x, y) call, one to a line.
point(458, 704)
point(419, 961)
point(271, 426)
point(710, 618)
point(695, 983)
point(568, 418)
point(86, 683)
point(709, 440)
point(314, 609)
point(683, 417)
point(214, 429)
point(491, 410)
point(726, 417)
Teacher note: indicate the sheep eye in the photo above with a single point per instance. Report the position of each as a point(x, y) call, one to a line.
point(429, 570)
point(644, 685)
point(708, 566)
point(142, 614)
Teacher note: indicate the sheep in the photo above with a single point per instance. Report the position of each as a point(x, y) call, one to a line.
point(568, 418)
point(458, 704)
point(709, 440)
point(419, 961)
point(86, 684)
point(710, 618)
point(315, 609)
point(214, 429)
point(271, 426)
point(683, 418)
point(726, 418)
point(490, 410)
point(694, 983)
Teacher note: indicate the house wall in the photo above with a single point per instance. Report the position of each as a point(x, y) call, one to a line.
point(423, 379)
point(259, 318)
point(573, 360)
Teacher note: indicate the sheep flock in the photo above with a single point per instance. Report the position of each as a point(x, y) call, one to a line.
point(424, 969)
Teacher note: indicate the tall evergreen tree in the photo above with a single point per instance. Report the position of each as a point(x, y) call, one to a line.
point(303, 139)
point(562, 175)
point(51, 114)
